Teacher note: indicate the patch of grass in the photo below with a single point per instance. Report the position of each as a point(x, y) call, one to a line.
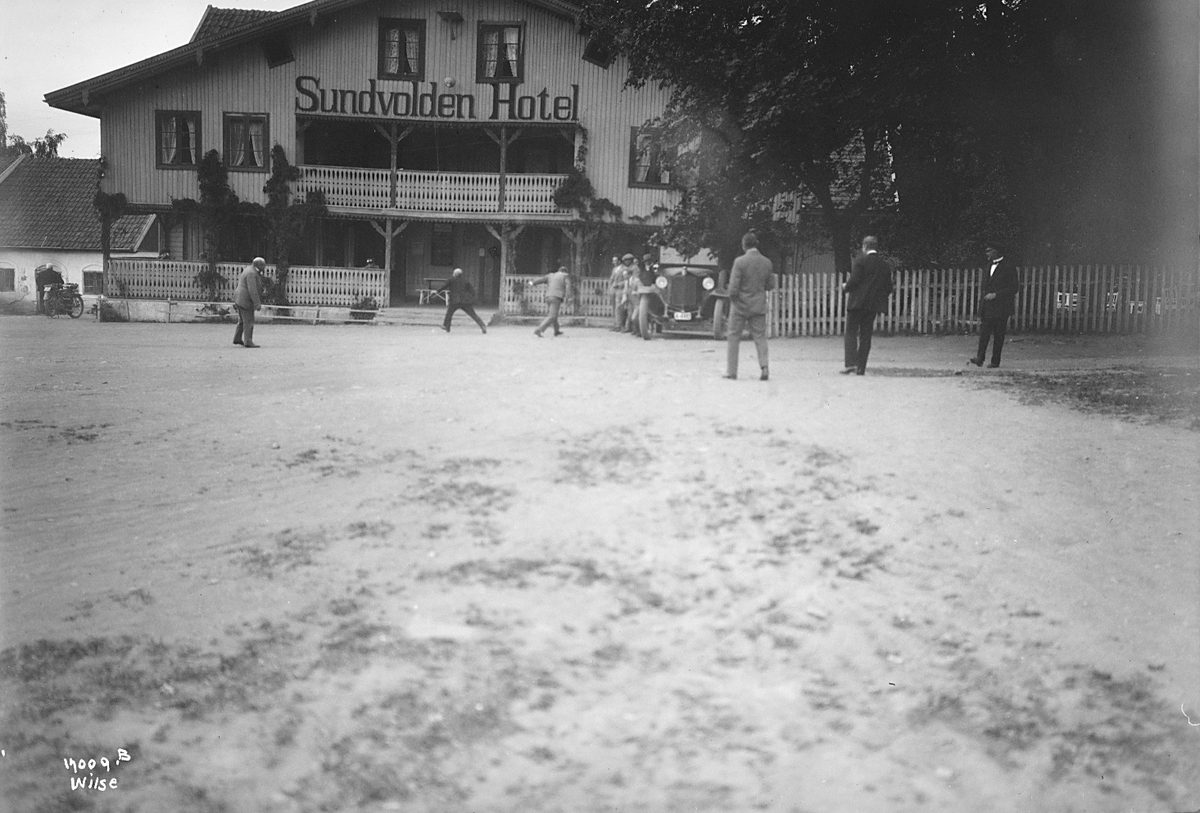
point(1166, 394)
point(291, 549)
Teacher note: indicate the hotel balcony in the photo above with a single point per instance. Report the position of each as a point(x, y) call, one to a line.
point(420, 194)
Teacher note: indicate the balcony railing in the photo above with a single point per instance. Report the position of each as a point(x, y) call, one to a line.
point(433, 192)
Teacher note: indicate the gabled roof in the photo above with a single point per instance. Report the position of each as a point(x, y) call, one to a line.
point(217, 21)
point(230, 28)
point(47, 203)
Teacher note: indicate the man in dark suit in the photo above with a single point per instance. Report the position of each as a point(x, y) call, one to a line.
point(461, 297)
point(247, 298)
point(867, 293)
point(43, 277)
point(1000, 286)
point(748, 285)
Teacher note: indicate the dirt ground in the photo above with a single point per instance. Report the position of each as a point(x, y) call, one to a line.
point(380, 568)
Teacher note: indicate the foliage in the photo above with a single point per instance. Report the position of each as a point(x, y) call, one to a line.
point(44, 147)
point(219, 210)
point(364, 308)
point(288, 222)
point(939, 124)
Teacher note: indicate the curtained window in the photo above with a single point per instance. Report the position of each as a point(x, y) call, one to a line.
point(646, 166)
point(178, 137)
point(501, 52)
point(246, 141)
point(401, 49)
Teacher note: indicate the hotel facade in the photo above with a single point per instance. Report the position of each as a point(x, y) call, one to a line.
point(438, 133)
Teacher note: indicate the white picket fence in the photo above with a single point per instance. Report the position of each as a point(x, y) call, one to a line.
point(306, 285)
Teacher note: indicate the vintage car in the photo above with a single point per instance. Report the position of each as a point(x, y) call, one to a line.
point(685, 299)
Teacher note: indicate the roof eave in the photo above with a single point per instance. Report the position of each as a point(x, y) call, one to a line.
point(82, 97)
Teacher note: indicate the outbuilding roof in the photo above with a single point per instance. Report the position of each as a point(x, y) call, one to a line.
point(220, 30)
point(47, 203)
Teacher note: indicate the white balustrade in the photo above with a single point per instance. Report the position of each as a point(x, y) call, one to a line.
point(432, 192)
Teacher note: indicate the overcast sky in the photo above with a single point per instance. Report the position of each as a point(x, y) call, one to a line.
point(46, 45)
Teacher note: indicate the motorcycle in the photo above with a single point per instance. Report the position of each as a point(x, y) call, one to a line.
point(64, 299)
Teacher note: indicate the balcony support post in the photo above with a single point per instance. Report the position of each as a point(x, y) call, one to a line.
point(508, 239)
point(391, 229)
point(503, 139)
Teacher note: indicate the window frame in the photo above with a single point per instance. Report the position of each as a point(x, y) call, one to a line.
point(227, 120)
point(485, 25)
point(162, 115)
point(634, 133)
point(97, 275)
point(8, 278)
point(385, 23)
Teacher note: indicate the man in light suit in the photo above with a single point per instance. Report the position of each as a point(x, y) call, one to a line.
point(247, 298)
point(867, 293)
point(999, 288)
point(748, 285)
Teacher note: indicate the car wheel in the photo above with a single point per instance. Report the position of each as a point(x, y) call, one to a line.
point(644, 316)
point(719, 319)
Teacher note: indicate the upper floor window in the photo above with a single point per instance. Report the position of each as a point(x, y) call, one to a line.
point(501, 52)
point(646, 165)
point(177, 133)
point(246, 137)
point(401, 49)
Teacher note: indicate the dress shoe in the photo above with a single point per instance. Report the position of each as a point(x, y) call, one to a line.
point(847, 371)
point(484, 329)
point(239, 341)
point(731, 377)
point(764, 375)
point(976, 362)
point(860, 372)
point(537, 333)
point(993, 366)
point(445, 328)
point(251, 346)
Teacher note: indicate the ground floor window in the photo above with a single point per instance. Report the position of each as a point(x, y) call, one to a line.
point(8, 278)
point(93, 281)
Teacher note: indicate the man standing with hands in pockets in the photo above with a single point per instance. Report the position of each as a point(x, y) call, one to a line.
point(999, 291)
point(748, 285)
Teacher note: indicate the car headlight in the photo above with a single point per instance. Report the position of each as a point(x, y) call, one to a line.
point(661, 282)
point(708, 283)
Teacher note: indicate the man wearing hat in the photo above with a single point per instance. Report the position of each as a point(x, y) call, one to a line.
point(247, 298)
point(1000, 285)
point(629, 268)
point(617, 283)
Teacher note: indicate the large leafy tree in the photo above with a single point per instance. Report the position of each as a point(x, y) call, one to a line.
point(782, 96)
point(938, 124)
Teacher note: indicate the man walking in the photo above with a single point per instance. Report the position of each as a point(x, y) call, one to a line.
point(556, 292)
point(247, 298)
point(999, 289)
point(867, 292)
point(748, 285)
point(461, 296)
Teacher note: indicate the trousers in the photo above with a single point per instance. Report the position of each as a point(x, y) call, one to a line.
point(860, 325)
point(757, 324)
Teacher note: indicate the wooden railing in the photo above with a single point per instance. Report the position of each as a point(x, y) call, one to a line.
point(432, 192)
point(306, 285)
point(519, 298)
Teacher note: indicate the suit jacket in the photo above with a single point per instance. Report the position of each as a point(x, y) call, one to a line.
point(749, 283)
point(555, 282)
point(248, 294)
point(1004, 283)
point(870, 283)
point(462, 292)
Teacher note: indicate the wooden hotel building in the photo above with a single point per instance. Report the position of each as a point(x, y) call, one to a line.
point(437, 131)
